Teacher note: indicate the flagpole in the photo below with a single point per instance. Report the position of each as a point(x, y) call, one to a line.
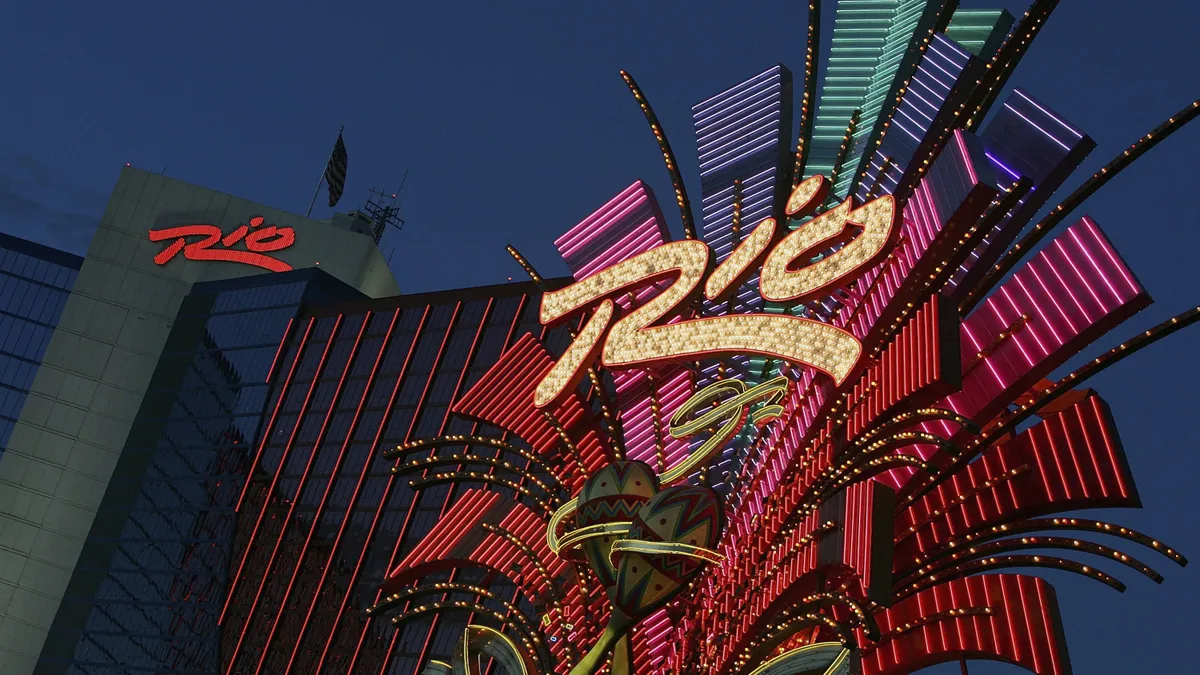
point(321, 181)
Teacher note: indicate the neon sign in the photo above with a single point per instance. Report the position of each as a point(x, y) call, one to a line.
point(257, 240)
point(726, 407)
point(645, 337)
point(723, 408)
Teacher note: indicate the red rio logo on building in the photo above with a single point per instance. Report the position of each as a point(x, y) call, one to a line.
point(256, 239)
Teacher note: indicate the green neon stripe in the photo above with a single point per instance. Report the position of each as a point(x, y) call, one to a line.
point(980, 31)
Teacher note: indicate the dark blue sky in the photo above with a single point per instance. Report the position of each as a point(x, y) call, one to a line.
point(515, 124)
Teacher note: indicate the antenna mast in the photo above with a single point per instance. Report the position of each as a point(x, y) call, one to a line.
point(383, 209)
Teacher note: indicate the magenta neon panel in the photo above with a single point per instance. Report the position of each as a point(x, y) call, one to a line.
point(629, 224)
point(1070, 293)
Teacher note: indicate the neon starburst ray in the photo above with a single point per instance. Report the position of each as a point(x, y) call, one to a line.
point(812, 519)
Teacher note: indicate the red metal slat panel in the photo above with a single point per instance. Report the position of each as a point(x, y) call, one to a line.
point(503, 397)
point(1071, 460)
point(1023, 628)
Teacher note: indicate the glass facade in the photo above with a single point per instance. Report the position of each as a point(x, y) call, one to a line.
point(190, 568)
point(35, 281)
point(325, 519)
point(148, 588)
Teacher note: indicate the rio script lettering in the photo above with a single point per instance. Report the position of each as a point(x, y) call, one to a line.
point(256, 240)
point(643, 336)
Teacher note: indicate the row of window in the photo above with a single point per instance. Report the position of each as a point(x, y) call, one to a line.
point(11, 401)
point(32, 295)
point(243, 329)
point(44, 271)
point(6, 429)
point(260, 298)
point(23, 338)
point(40, 303)
point(16, 373)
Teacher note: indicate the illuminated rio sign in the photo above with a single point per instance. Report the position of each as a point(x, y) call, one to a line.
point(647, 335)
point(257, 240)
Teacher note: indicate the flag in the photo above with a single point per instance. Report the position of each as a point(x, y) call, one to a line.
point(335, 171)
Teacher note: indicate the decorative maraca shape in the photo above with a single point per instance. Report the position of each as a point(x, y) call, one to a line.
point(616, 493)
point(612, 496)
point(671, 538)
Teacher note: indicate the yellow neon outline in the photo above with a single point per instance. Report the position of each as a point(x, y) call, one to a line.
point(668, 548)
point(575, 537)
point(730, 410)
point(837, 661)
point(555, 520)
point(495, 635)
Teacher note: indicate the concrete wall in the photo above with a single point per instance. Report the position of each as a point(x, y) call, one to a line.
point(95, 373)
